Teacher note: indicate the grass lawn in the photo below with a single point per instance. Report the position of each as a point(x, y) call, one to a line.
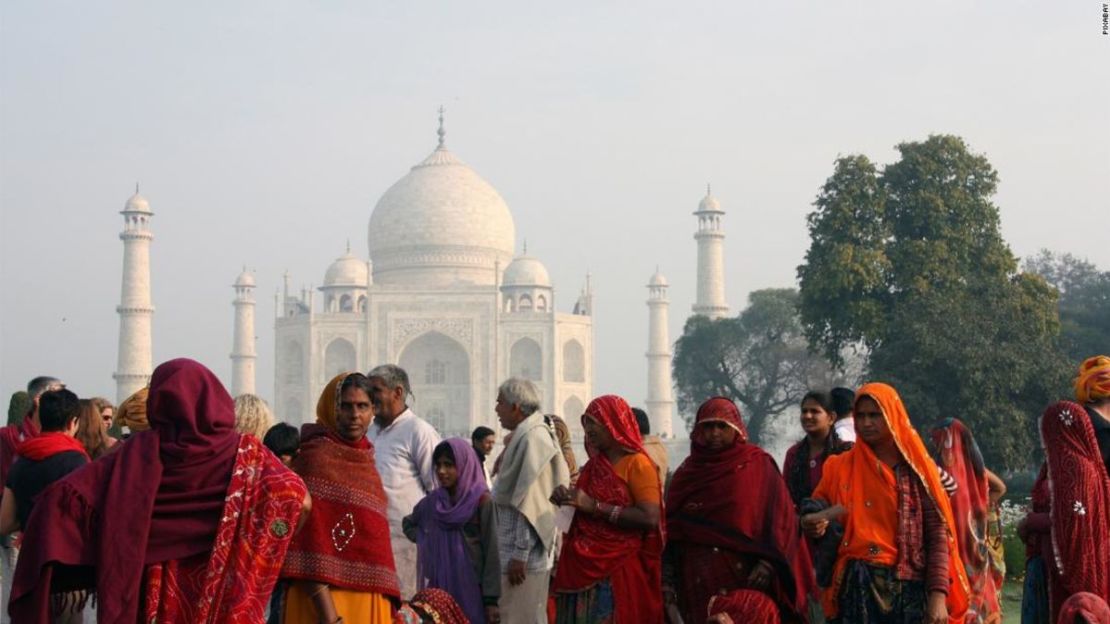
point(1011, 602)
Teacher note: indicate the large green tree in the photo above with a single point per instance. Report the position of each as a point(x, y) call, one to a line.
point(909, 261)
point(759, 359)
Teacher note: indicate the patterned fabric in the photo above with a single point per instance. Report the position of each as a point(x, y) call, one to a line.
point(596, 550)
point(1080, 504)
point(345, 542)
point(592, 606)
point(874, 594)
point(745, 605)
point(1093, 382)
point(959, 457)
point(727, 508)
point(869, 491)
point(431, 605)
point(1085, 607)
point(516, 539)
point(234, 583)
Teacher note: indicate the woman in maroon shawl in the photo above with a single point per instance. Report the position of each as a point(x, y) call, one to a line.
point(1079, 491)
point(609, 569)
point(341, 564)
point(187, 522)
point(733, 527)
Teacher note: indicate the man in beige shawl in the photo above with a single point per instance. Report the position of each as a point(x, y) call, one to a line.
point(528, 471)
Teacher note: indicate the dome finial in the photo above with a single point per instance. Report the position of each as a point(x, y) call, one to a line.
point(441, 132)
point(708, 188)
point(348, 245)
point(526, 246)
point(136, 187)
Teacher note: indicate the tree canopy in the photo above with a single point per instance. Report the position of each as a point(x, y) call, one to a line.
point(759, 359)
point(910, 262)
point(1084, 302)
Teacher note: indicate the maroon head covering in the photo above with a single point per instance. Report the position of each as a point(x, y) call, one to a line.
point(736, 498)
point(1084, 607)
point(156, 499)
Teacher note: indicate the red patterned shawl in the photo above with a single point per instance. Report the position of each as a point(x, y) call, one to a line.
point(745, 605)
point(959, 455)
point(736, 498)
point(594, 549)
point(1080, 492)
point(233, 584)
point(345, 542)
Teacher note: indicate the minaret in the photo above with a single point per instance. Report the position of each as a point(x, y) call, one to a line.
point(135, 362)
point(660, 400)
point(242, 348)
point(711, 263)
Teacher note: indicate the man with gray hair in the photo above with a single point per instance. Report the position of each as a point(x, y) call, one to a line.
point(10, 438)
point(403, 446)
point(528, 471)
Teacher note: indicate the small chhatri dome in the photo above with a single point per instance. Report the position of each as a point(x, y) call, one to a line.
point(137, 203)
point(709, 203)
point(439, 225)
point(658, 279)
point(347, 270)
point(245, 279)
point(525, 270)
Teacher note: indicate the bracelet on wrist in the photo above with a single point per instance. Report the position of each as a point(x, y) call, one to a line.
point(614, 514)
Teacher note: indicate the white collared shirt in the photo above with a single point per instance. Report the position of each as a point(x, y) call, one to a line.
point(403, 455)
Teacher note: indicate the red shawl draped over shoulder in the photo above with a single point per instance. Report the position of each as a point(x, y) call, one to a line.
point(596, 550)
point(736, 498)
point(139, 521)
point(959, 455)
point(345, 541)
point(10, 438)
point(1080, 504)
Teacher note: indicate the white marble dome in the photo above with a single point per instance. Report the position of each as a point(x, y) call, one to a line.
point(137, 203)
point(440, 224)
point(658, 279)
point(347, 270)
point(526, 271)
point(245, 280)
point(709, 203)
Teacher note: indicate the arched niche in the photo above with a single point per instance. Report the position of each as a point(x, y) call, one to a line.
point(339, 357)
point(574, 362)
point(526, 360)
point(292, 362)
point(439, 371)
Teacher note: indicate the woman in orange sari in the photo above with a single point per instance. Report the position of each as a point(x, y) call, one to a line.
point(610, 567)
point(897, 562)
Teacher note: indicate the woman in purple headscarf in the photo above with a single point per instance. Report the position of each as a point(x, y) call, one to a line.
point(454, 523)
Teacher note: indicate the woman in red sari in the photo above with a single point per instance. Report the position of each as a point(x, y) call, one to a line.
point(732, 527)
point(1079, 488)
point(609, 568)
point(957, 453)
point(200, 516)
point(340, 566)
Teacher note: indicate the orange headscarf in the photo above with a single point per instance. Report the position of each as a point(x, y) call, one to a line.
point(1093, 381)
point(859, 481)
point(328, 403)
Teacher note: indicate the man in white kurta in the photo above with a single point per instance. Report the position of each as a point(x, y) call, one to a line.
point(403, 446)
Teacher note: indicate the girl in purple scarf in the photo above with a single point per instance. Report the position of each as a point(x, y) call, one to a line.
point(458, 523)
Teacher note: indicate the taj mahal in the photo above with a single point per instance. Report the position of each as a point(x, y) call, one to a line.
point(444, 294)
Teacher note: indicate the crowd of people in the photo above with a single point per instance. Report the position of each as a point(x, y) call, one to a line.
point(184, 505)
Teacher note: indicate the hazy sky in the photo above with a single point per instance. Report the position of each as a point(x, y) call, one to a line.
point(263, 134)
